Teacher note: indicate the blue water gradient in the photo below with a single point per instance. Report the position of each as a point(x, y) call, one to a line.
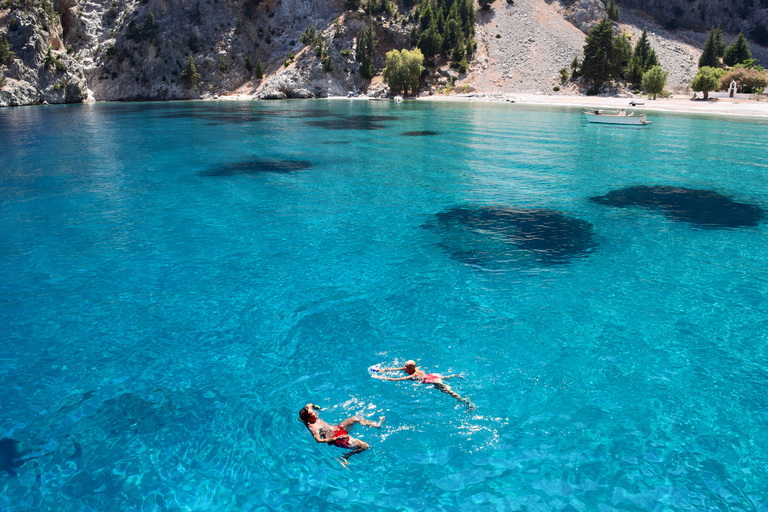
point(179, 279)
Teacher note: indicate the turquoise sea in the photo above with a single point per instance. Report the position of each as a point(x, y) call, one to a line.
point(178, 279)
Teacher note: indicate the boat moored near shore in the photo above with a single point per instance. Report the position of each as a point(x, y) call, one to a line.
point(613, 117)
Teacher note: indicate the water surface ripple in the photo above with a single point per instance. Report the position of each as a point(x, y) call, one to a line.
point(179, 279)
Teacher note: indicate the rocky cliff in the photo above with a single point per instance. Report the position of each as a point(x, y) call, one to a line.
point(39, 68)
point(731, 15)
point(77, 50)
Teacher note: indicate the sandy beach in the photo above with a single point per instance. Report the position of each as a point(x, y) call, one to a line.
point(674, 104)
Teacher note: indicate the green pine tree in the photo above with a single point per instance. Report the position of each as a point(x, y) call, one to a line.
point(737, 52)
point(471, 46)
point(601, 60)
point(430, 41)
point(365, 49)
point(459, 54)
point(6, 55)
point(643, 58)
point(623, 50)
point(719, 42)
point(189, 76)
point(468, 15)
point(575, 68)
point(425, 18)
point(452, 36)
point(709, 54)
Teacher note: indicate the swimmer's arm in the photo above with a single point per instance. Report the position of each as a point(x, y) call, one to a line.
point(399, 378)
point(390, 369)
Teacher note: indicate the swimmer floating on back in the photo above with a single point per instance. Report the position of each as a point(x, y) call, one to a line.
point(418, 375)
point(336, 435)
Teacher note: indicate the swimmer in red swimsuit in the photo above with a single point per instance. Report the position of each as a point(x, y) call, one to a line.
point(336, 435)
point(435, 379)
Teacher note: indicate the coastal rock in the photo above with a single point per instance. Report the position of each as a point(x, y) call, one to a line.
point(585, 14)
point(40, 72)
point(271, 94)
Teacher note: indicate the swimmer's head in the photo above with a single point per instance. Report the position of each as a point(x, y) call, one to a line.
point(410, 366)
point(308, 412)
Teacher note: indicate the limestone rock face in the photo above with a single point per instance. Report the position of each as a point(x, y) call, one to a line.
point(138, 49)
point(584, 14)
point(41, 71)
point(308, 77)
point(702, 14)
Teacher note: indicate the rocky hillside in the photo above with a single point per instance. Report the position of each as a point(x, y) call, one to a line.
point(525, 44)
point(73, 50)
point(39, 69)
point(734, 16)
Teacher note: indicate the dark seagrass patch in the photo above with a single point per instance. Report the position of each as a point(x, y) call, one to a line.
point(10, 458)
point(257, 166)
point(509, 237)
point(703, 208)
point(420, 133)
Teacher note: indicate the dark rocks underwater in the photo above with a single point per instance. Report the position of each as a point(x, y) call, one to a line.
point(504, 237)
point(10, 458)
point(257, 166)
point(703, 208)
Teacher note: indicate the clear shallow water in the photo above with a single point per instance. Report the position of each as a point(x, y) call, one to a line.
point(178, 279)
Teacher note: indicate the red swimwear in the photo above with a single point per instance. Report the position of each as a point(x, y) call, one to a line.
point(430, 378)
point(341, 443)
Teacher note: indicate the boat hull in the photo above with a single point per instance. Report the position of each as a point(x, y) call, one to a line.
point(616, 119)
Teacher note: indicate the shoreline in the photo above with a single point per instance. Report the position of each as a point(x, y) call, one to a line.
point(675, 104)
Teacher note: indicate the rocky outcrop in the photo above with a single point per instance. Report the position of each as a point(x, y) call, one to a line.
point(137, 49)
point(41, 71)
point(731, 16)
point(308, 77)
point(584, 14)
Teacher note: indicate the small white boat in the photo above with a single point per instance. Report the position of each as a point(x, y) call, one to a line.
point(612, 117)
point(398, 99)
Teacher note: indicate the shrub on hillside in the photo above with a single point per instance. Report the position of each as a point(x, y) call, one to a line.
point(747, 80)
point(6, 55)
point(52, 61)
